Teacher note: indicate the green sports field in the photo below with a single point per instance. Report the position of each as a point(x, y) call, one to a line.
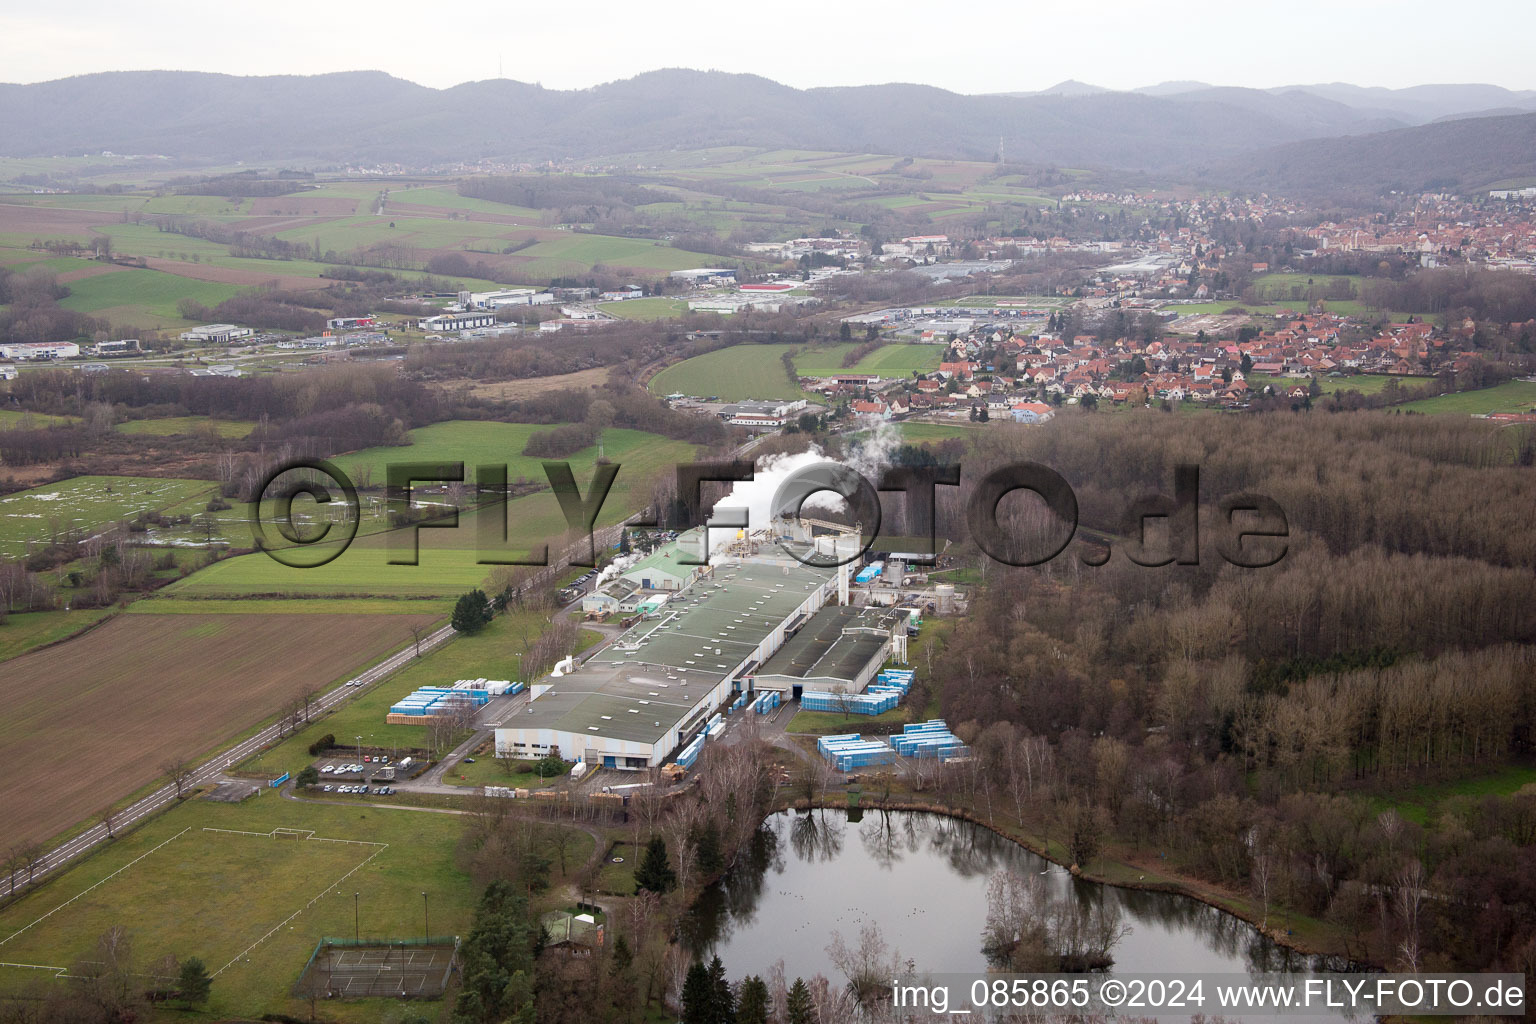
point(656, 308)
point(251, 905)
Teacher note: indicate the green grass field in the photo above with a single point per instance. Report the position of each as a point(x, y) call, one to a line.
point(656, 308)
point(486, 442)
point(735, 373)
point(1365, 383)
point(86, 504)
point(13, 418)
point(1511, 396)
point(494, 653)
point(896, 360)
point(172, 425)
point(917, 433)
point(159, 604)
point(246, 885)
point(757, 371)
point(144, 298)
point(824, 723)
point(23, 631)
point(1416, 803)
point(214, 895)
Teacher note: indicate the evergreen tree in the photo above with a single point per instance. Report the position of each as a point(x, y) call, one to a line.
point(655, 872)
point(194, 983)
point(723, 1003)
point(472, 612)
point(698, 995)
point(798, 1007)
point(496, 961)
point(752, 1001)
point(706, 848)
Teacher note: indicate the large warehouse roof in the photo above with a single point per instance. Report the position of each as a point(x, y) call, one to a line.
point(837, 643)
point(641, 686)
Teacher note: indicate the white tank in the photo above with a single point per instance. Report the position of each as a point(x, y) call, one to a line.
point(946, 598)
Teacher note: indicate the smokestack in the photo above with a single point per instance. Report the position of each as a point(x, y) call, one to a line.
point(842, 584)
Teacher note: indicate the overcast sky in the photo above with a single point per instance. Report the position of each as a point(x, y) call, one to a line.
point(973, 47)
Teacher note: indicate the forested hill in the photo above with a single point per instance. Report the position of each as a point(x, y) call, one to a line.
point(371, 116)
point(1449, 156)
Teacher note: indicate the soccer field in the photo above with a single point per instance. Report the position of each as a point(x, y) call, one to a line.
point(207, 893)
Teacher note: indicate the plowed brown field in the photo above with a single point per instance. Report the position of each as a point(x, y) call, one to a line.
point(90, 721)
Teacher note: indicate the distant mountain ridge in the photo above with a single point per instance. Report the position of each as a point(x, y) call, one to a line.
point(371, 117)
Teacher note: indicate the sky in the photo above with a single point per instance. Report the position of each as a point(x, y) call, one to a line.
point(980, 46)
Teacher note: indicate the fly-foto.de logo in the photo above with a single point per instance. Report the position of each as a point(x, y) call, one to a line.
point(1248, 530)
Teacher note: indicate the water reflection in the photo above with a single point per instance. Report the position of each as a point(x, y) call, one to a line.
point(923, 879)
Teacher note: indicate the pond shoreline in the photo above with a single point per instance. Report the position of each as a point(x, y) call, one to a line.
point(1200, 892)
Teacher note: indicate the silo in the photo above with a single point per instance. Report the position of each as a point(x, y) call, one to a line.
point(946, 598)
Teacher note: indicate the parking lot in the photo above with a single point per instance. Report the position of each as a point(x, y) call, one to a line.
point(368, 773)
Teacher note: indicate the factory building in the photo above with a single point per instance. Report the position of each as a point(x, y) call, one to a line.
point(456, 321)
point(641, 698)
point(37, 350)
point(840, 650)
point(216, 334)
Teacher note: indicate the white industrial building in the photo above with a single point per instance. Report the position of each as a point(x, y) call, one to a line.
point(34, 350)
point(505, 297)
point(216, 334)
point(456, 321)
point(754, 619)
point(638, 701)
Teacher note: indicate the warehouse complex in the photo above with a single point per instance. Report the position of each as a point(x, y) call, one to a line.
point(757, 622)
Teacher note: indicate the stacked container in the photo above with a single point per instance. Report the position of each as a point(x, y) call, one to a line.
point(850, 751)
point(425, 700)
point(690, 753)
point(931, 739)
point(875, 702)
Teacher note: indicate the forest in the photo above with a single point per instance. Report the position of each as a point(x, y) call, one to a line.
point(1250, 722)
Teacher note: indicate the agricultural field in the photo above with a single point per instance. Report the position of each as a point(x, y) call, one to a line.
point(734, 374)
point(1511, 396)
point(91, 720)
point(170, 426)
point(86, 505)
point(142, 298)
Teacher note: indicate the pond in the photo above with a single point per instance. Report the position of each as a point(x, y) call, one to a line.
point(923, 879)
